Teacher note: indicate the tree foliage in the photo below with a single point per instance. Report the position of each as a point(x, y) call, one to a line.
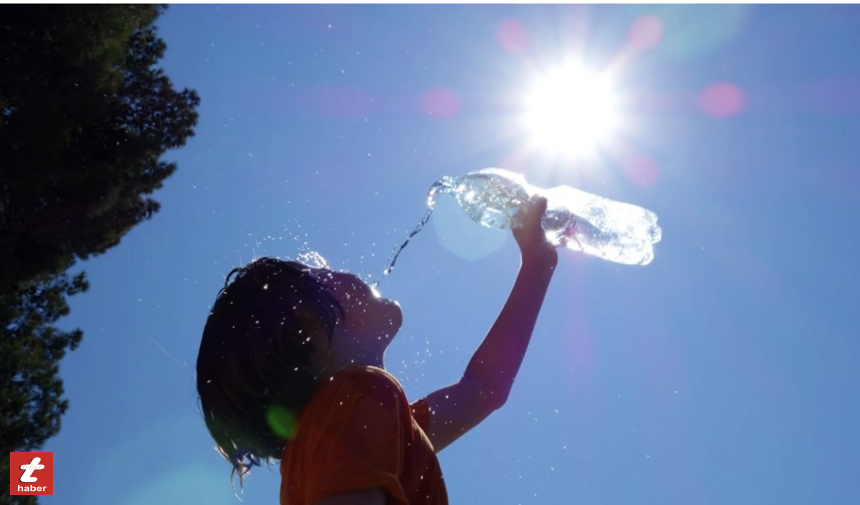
point(85, 116)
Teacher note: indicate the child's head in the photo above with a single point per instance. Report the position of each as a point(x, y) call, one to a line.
point(273, 333)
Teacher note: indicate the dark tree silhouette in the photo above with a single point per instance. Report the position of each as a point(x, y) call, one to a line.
point(85, 116)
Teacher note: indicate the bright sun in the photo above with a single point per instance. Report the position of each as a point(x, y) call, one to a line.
point(570, 111)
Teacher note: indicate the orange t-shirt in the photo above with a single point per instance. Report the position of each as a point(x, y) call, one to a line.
point(359, 432)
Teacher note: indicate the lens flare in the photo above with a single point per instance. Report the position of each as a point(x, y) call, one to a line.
point(645, 33)
point(441, 103)
point(721, 100)
point(281, 421)
point(512, 36)
point(641, 170)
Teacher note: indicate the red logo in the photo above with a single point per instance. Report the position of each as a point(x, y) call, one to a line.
point(31, 473)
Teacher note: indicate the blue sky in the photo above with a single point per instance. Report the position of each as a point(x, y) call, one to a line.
point(723, 372)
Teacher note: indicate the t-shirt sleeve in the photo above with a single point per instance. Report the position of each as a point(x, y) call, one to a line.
point(359, 444)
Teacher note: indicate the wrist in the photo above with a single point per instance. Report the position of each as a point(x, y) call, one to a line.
point(545, 258)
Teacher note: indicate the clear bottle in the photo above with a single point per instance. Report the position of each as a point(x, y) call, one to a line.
point(608, 229)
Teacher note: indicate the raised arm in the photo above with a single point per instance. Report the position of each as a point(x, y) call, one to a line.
point(488, 378)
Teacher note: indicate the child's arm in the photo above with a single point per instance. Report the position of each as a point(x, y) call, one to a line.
point(488, 378)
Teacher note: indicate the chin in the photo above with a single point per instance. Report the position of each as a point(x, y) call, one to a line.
point(394, 316)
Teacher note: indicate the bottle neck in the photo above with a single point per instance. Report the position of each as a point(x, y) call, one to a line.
point(446, 185)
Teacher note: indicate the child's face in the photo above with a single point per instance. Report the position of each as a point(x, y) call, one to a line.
point(369, 325)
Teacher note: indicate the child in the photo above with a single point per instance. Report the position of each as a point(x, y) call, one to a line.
point(291, 367)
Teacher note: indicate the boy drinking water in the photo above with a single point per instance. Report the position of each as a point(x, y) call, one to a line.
point(291, 368)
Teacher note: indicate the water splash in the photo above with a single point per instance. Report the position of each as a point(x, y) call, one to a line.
point(446, 184)
point(313, 259)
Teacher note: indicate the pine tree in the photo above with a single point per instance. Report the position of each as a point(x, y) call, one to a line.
point(85, 116)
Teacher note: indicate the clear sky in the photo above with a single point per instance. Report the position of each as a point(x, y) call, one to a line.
point(723, 372)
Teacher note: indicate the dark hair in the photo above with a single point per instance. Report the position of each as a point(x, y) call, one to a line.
point(254, 368)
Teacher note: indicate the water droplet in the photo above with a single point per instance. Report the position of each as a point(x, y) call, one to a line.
point(313, 259)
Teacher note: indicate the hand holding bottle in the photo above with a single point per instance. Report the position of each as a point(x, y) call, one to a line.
point(531, 236)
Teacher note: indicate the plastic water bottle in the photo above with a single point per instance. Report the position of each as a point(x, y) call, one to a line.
point(611, 230)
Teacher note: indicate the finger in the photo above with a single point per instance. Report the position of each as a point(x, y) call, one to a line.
point(532, 211)
point(537, 208)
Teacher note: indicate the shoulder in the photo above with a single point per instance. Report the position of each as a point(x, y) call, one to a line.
point(353, 437)
point(361, 386)
point(362, 402)
point(367, 379)
point(373, 385)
